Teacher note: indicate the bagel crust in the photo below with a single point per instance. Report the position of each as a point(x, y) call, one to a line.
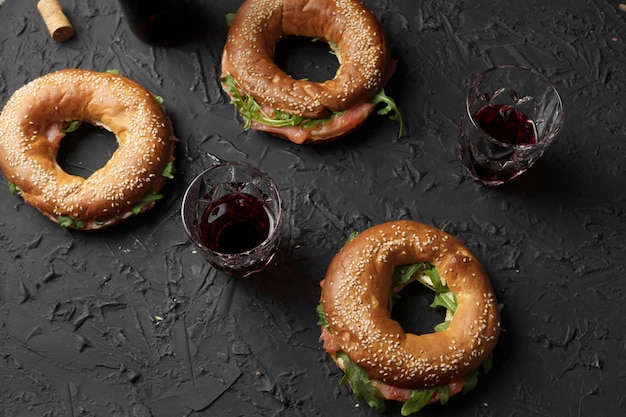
point(30, 139)
point(355, 294)
point(355, 33)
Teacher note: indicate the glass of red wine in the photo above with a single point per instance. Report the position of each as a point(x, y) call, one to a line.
point(512, 115)
point(233, 213)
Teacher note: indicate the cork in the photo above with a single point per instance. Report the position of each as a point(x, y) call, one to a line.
point(57, 23)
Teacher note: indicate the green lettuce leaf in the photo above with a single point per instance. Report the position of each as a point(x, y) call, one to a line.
point(169, 171)
point(390, 108)
point(446, 300)
point(442, 326)
point(229, 19)
point(145, 200)
point(419, 399)
point(322, 316)
point(13, 189)
point(471, 380)
point(428, 276)
point(250, 110)
point(68, 222)
point(351, 236)
point(70, 127)
point(362, 387)
point(406, 274)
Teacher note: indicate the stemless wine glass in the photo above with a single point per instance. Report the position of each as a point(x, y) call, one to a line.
point(232, 212)
point(512, 115)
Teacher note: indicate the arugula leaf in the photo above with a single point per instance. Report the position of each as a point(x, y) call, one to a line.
point(351, 236)
point(487, 364)
point(471, 380)
point(401, 277)
point(432, 280)
point(442, 326)
point(65, 221)
point(229, 19)
point(13, 189)
point(406, 274)
point(362, 387)
point(446, 300)
point(66, 127)
point(169, 170)
point(334, 49)
point(390, 106)
point(145, 200)
point(444, 394)
point(322, 316)
point(68, 222)
point(354, 375)
point(428, 276)
point(419, 399)
point(250, 110)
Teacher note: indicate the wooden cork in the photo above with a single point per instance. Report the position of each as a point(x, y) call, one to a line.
point(58, 25)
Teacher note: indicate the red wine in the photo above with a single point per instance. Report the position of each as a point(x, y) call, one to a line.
point(235, 223)
point(506, 124)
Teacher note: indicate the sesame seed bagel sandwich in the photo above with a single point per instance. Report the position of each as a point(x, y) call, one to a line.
point(40, 114)
point(269, 99)
point(380, 360)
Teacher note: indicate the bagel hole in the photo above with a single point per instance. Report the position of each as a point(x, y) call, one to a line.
point(86, 150)
point(413, 312)
point(306, 58)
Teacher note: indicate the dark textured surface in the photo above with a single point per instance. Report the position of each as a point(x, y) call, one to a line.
point(132, 322)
